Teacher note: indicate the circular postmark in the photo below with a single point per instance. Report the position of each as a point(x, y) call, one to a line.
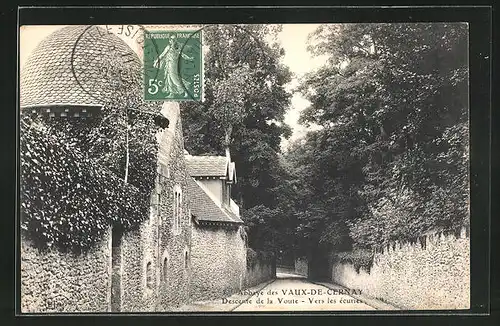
point(188, 50)
point(107, 68)
point(231, 29)
point(172, 66)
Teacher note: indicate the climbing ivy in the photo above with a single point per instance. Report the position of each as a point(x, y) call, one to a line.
point(72, 177)
point(256, 256)
point(358, 258)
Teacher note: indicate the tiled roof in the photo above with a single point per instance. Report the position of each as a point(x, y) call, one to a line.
point(205, 209)
point(48, 77)
point(207, 166)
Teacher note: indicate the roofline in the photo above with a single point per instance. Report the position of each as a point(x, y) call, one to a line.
point(97, 106)
point(217, 176)
point(210, 222)
point(226, 175)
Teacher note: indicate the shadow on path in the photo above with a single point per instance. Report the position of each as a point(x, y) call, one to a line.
point(285, 275)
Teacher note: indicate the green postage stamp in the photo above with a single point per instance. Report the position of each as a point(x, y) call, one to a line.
point(173, 67)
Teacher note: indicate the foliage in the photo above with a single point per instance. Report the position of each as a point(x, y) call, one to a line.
point(326, 197)
point(251, 258)
point(244, 107)
point(391, 158)
point(358, 258)
point(254, 257)
point(72, 186)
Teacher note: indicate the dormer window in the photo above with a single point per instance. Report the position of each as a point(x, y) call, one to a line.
point(216, 174)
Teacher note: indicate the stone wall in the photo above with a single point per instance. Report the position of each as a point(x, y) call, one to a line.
point(137, 249)
point(218, 262)
point(174, 276)
point(301, 267)
point(157, 246)
point(52, 281)
point(434, 274)
point(259, 272)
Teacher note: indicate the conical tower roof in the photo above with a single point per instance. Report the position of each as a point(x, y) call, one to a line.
point(79, 65)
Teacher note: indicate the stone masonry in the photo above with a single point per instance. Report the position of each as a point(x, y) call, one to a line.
point(170, 258)
point(52, 281)
point(219, 262)
point(158, 243)
point(431, 275)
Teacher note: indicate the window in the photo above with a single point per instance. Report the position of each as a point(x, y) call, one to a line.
point(165, 269)
point(149, 276)
point(159, 205)
point(177, 209)
point(186, 259)
point(226, 194)
point(160, 186)
point(224, 191)
point(157, 193)
point(164, 172)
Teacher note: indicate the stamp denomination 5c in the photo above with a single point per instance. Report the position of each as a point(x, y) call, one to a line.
point(175, 71)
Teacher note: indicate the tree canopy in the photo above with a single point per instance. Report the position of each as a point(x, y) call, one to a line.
point(244, 107)
point(391, 159)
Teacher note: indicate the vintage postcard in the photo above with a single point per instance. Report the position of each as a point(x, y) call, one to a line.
point(244, 168)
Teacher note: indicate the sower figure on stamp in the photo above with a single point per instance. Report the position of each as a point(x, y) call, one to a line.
point(168, 60)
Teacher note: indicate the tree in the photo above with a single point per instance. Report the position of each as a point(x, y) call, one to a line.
point(244, 107)
point(392, 101)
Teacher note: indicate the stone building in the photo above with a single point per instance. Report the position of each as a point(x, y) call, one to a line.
point(155, 260)
point(145, 270)
point(218, 239)
point(191, 246)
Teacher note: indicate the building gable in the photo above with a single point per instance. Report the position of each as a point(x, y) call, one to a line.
point(204, 207)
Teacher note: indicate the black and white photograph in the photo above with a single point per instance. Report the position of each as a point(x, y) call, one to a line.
point(174, 168)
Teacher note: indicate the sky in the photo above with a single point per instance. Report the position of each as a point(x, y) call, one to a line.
point(293, 39)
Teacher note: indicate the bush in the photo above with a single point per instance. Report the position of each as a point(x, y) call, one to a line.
point(358, 258)
point(251, 258)
point(254, 257)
